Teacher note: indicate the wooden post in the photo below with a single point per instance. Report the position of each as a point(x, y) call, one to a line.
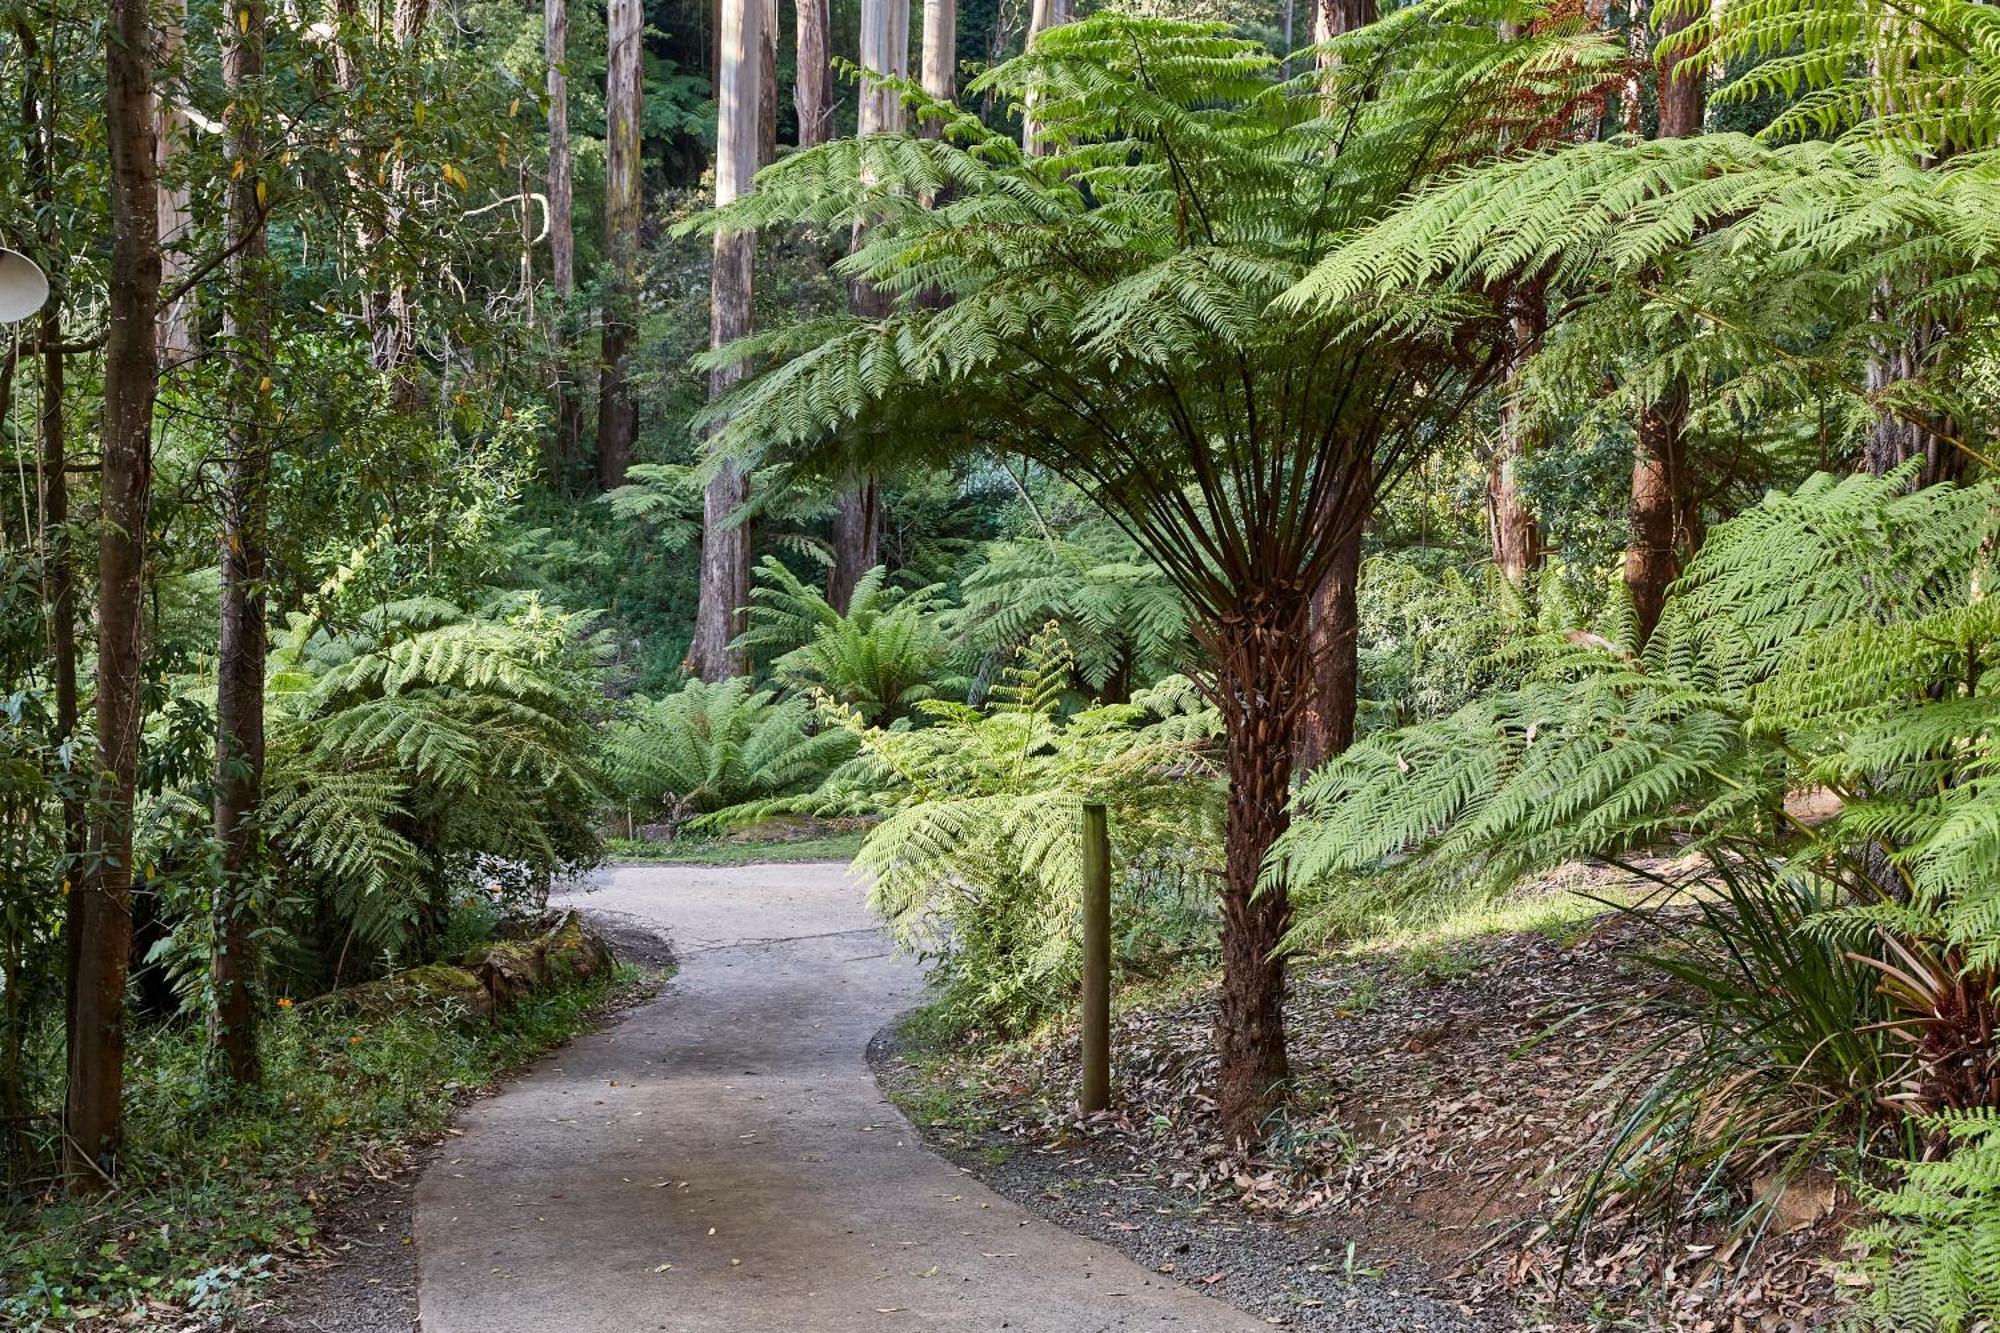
point(1096, 1093)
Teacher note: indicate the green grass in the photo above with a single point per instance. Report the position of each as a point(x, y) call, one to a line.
point(218, 1189)
point(722, 852)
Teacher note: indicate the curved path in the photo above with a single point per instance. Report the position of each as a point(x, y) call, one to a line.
point(721, 1158)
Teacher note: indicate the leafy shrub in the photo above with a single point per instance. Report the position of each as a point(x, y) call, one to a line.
point(979, 863)
point(1935, 1256)
point(1125, 624)
point(426, 751)
point(709, 747)
point(880, 659)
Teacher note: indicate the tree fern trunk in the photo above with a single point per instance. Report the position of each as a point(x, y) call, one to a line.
point(243, 643)
point(1261, 679)
point(101, 911)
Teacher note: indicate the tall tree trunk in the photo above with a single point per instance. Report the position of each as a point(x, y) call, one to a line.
point(395, 326)
point(725, 547)
point(41, 88)
point(1327, 727)
point(103, 916)
point(562, 237)
point(857, 515)
point(1261, 668)
point(1516, 536)
point(243, 644)
point(617, 411)
point(1044, 15)
point(1661, 484)
point(177, 319)
point(812, 93)
point(1899, 437)
point(767, 85)
point(940, 69)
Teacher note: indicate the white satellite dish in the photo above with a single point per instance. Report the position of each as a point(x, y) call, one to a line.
point(23, 288)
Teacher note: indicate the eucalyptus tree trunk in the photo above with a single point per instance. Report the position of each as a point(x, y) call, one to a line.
point(1044, 15)
point(857, 517)
point(1662, 517)
point(725, 547)
point(812, 91)
point(767, 84)
point(562, 232)
point(101, 909)
point(940, 68)
point(1326, 726)
point(243, 644)
point(177, 318)
point(617, 411)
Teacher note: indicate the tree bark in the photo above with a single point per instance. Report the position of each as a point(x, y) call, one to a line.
point(1044, 15)
point(812, 94)
point(41, 88)
point(767, 85)
point(562, 236)
point(857, 540)
point(885, 50)
point(857, 516)
point(243, 642)
point(102, 910)
point(1261, 668)
point(617, 411)
point(1327, 727)
point(1660, 481)
point(725, 548)
point(940, 68)
point(178, 337)
point(1516, 536)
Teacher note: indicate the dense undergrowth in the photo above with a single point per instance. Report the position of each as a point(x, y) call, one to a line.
point(222, 1185)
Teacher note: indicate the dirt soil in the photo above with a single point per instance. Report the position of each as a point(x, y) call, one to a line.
point(1444, 1099)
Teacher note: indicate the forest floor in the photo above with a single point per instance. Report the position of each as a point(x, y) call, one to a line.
point(1447, 1091)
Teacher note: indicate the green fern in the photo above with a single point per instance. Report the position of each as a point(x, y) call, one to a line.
point(885, 655)
point(707, 748)
point(1935, 1257)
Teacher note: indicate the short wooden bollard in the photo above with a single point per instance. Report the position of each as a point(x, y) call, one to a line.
point(1096, 1090)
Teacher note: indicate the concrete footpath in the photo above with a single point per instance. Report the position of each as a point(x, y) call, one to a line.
point(721, 1158)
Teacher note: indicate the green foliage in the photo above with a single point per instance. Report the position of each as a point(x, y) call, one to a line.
point(423, 748)
point(1935, 1257)
point(1776, 1045)
point(979, 862)
point(216, 1188)
point(1124, 622)
point(881, 658)
point(709, 747)
point(1774, 667)
point(1187, 190)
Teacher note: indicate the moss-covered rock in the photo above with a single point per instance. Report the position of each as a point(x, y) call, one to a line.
point(452, 992)
point(574, 953)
